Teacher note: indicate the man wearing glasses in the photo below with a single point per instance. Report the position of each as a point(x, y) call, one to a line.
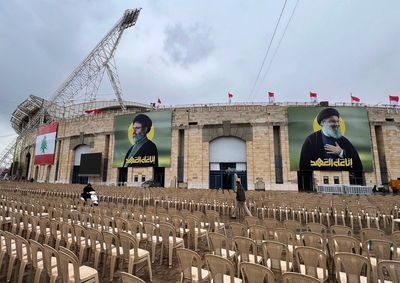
point(327, 149)
point(143, 153)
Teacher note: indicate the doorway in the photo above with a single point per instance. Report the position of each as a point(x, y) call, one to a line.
point(305, 181)
point(159, 175)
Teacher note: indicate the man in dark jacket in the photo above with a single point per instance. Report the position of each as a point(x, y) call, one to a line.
point(86, 192)
point(240, 199)
point(144, 152)
point(327, 149)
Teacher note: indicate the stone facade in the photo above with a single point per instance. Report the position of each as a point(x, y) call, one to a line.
point(253, 124)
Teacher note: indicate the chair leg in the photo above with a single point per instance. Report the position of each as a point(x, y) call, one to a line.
point(150, 271)
point(10, 268)
point(21, 271)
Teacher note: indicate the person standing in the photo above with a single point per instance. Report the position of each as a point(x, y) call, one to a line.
point(240, 199)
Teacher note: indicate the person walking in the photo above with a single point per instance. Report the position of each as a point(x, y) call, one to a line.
point(240, 199)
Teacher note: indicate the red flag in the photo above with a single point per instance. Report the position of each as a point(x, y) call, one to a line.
point(158, 100)
point(393, 98)
point(271, 94)
point(355, 99)
point(230, 94)
point(93, 111)
point(313, 94)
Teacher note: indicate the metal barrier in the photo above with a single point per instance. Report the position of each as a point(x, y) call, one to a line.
point(344, 189)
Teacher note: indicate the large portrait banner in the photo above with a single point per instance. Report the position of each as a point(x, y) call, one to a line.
point(142, 140)
point(329, 139)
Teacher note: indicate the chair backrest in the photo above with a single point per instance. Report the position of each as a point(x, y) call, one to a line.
point(391, 269)
point(218, 267)
point(258, 233)
point(36, 252)
point(94, 236)
point(380, 249)
point(110, 241)
point(293, 277)
point(285, 236)
point(188, 259)
point(292, 225)
point(353, 266)
point(238, 229)
point(312, 258)
point(273, 254)
point(251, 220)
point(341, 243)
point(48, 253)
point(130, 278)
point(121, 224)
point(135, 227)
point(218, 242)
point(396, 237)
point(341, 230)
point(312, 239)
point(255, 273)
point(23, 249)
point(128, 242)
point(317, 228)
point(246, 248)
point(67, 257)
point(371, 233)
point(167, 230)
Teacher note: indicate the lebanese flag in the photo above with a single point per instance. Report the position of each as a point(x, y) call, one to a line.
point(313, 94)
point(158, 100)
point(393, 98)
point(230, 94)
point(46, 144)
point(355, 99)
point(271, 94)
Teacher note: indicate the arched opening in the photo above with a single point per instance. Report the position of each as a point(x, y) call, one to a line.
point(79, 150)
point(227, 157)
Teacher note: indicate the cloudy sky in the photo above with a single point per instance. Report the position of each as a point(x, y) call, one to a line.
point(196, 51)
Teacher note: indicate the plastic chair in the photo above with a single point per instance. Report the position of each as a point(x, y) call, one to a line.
point(341, 230)
point(132, 252)
point(51, 261)
point(255, 273)
point(190, 264)
point(246, 251)
point(75, 273)
point(129, 278)
point(276, 256)
point(195, 231)
point(37, 259)
point(390, 268)
point(350, 267)
point(293, 277)
point(169, 239)
point(312, 261)
point(23, 255)
point(112, 251)
point(219, 268)
point(220, 245)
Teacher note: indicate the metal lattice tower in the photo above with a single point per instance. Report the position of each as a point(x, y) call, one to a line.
point(6, 160)
point(88, 75)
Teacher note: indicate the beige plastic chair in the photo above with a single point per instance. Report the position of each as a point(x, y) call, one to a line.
point(37, 259)
point(132, 252)
point(340, 243)
point(341, 230)
point(179, 223)
point(11, 249)
point(396, 238)
point(317, 228)
point(219, 268)
point(220, 245)
point(152, 238)
point(81, 241)
point(350, 267)
point(238, 229)
point(51, 261)
point(136, 228)
point(315, 240)
point(255, 273)
point(23, 255)
point(3, 249)
point(112, 251)
point(293, 277)
point(276, 256)
point(195, 231)
point(271, 224)
point(169, 240)
point(391, 269)
point(96, 245)
point(312, 261)
point(259, 234)
point(378, 250)
point(214, 220)
point(246, 251)
point(371, 233)
point(71, 272)
point(251, 220)
point(190, 264)
point(288, 238)
point(130, 278)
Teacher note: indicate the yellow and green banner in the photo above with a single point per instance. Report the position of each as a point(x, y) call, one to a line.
point(330, 139)
point(142, 140)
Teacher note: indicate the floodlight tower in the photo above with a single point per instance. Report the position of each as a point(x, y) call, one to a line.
point(88, 75)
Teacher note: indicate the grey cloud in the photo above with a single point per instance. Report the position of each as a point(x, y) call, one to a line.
point(187, 45)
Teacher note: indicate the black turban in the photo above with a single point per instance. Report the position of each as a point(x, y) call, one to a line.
point(327, 112)
point(144, 120)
